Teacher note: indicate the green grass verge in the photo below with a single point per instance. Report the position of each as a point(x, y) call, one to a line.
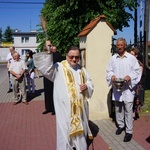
point(145, 109)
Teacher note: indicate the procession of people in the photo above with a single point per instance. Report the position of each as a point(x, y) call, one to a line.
point(70, 104)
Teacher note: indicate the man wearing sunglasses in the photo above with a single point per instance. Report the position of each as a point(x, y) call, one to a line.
point(72, 89)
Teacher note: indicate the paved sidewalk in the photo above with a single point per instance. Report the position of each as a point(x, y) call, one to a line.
point(24, 127)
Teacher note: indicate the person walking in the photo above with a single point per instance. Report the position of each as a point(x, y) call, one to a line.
point(9, 59)
point(30, 72)
point(17, 69)
point(72, 89)
point(125, 66)
point(48, 85)
point(138, 99)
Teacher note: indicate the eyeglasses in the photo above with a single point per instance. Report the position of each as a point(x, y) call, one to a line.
point(50, 45)
point(71, 57)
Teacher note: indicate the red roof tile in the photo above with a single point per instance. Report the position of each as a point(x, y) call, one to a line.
point(92, 24)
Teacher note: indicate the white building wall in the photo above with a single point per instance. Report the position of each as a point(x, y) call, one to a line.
point(3, 54)
point(32, 42)
point(98, 47)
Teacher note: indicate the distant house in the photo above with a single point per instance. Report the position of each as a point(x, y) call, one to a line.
point(23, 41)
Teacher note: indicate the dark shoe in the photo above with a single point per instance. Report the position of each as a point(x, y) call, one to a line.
point(26, 103)
point(53, 113)
point(9, 91)
point(137, 115)
point(127, 137)
point(15, 103)
point(46, 112)
point(119, 131)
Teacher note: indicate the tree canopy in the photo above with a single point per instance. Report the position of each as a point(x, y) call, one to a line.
point(8, 35)
point(1, 35)
point(66, 18)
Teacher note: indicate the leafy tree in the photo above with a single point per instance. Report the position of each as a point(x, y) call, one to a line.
point(1, 35)
point(8, 34)
point(66, 18)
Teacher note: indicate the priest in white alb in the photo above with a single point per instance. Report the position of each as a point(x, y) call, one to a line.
point(72, 90)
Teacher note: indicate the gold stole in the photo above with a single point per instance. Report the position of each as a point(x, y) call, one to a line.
point(76, 127)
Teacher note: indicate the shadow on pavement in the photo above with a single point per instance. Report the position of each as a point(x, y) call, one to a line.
point(37, 93)
point(148, 139)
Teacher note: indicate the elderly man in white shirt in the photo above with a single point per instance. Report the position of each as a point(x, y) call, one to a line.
point(17, 69)
point(123, 65)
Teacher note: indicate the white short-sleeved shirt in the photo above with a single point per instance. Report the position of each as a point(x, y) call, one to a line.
point(17, 66)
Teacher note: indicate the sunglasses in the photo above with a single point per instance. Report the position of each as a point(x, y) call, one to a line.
point(50, 45)
point(71, 57)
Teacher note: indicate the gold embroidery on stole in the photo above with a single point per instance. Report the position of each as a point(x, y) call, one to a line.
point(76, 127)
point(84, 98)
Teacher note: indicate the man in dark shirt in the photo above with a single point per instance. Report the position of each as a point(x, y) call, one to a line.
point(48, 85)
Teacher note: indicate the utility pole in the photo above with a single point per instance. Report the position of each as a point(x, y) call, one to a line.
point(135, 25)
point(146, 32)
point(146, 57)
point(141, 26)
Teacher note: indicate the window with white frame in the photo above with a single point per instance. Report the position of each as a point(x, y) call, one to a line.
point(24, 39)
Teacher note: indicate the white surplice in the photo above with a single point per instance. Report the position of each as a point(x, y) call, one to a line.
point(121, 67)
point(44, 63)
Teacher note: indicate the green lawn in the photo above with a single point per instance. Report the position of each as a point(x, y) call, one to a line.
point(146, 107)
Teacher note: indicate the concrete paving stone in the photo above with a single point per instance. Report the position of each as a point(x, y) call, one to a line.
point(119, 147)
point(118, 139)
point(112, 128)
point(101, 125)
point(107, 140)
point(111, 137)
point(113, 147)
point(101, 133)
point(133, 142)
point(140, 147)
point(130, 145)
point(109, 130)
point(121, 136)
point(127, 148)
point(106, 133)
point(123, 144)
point(103, 130)
point(116, 143)
point(113, 134)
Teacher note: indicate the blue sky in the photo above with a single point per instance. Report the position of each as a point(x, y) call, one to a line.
point(25, 17)
point(127, 33)
point(20, 16)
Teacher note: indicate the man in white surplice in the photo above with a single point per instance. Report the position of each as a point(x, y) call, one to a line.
point(123, 65)
point(72, 89)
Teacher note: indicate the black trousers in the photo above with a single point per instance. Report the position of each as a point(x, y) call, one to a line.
point(48, 95)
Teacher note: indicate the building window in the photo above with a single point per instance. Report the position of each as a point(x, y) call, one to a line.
point(24, 39)
point(24, 51)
